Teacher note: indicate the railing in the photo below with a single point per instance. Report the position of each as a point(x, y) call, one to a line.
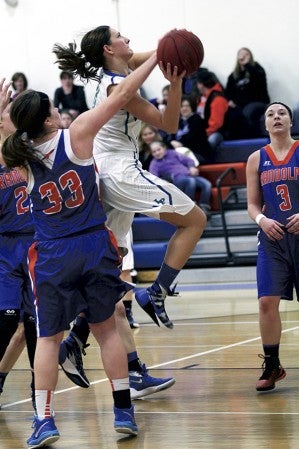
point(219, 183)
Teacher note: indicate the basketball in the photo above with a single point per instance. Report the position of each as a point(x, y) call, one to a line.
point(181, 48)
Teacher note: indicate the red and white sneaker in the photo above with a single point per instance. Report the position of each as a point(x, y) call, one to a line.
point(270, 376)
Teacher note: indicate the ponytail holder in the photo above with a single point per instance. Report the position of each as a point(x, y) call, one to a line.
point(24, 136)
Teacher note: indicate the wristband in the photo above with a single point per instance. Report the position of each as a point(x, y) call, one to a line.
point(258, 218)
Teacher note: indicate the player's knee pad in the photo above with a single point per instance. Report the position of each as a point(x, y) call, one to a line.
point(9, 320)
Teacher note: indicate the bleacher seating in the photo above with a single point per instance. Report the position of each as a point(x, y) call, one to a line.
point(239, 150)
point(228, 239)
point(150, 236)
point(236, 177)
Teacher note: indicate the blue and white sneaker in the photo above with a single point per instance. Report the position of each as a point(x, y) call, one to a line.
point(70, 360)
point(142, 384)
point(124, 421)
point(153, 304)
point(45, 433)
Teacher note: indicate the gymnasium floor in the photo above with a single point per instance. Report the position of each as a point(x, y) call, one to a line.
point(213, 354)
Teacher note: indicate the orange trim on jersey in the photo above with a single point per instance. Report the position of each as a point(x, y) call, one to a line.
point(32, 258)
point(47, 155)
point(115, 244)
point(286, 160)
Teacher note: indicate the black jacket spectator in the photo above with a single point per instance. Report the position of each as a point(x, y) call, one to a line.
point(70, 96)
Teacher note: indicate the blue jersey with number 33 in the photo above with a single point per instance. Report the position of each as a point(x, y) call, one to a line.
point(64, 192)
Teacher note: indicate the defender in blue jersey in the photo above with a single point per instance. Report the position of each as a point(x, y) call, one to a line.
point(17, 323)
point(16, 232)
point(273, 202)
point(73, 251)
point(16, 303)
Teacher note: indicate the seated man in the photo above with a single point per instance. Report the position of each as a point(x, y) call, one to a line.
point(212, 107)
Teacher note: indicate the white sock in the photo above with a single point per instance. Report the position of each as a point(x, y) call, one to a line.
point(120, 384)
point(44, 403)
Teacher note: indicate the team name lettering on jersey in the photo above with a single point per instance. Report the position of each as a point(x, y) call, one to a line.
point(279, 174)
point(10, 178)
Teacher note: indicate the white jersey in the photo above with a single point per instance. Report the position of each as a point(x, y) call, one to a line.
point(121, 132)
point(126, 188)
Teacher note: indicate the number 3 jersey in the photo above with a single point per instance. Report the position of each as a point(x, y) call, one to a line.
point(280, 183)
point(63, 191)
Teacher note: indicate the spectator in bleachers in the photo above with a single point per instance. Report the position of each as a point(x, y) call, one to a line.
point(212, 107)
point(247, 94)
point(19, 83)
point(191, 131)
point(69, 95)
point(66, 118)
point(161, 103)
point(147, 135)
point(180, 170)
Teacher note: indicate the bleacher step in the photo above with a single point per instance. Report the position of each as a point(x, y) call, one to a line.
point(217, 275)
point(221, 275)
point(232, 218)
point(214, 245)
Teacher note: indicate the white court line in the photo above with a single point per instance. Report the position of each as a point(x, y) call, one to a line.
point(198, 354)
point(221, 348)
point(157, 412)
point(215, 323)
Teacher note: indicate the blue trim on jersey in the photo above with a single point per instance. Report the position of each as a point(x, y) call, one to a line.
point(113, 74)
point(143, 174)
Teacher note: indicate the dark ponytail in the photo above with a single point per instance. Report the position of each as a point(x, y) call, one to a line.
point(28, 113)
point(84, 63)
point(17, 151)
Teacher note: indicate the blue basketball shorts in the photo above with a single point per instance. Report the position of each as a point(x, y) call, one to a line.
point(75, 274)
point(278, 266)
point(15, 286)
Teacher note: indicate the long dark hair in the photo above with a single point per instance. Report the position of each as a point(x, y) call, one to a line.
point(28, 113)
point(84, 63)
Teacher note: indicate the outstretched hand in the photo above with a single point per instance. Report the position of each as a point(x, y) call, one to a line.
point(171, 73)
point(5, 94)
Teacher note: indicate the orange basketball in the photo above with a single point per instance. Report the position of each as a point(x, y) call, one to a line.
point(181, 48)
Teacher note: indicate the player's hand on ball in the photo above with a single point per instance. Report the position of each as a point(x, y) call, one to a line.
point(171, 73)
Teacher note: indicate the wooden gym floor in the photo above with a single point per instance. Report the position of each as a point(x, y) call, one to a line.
point(213, 354)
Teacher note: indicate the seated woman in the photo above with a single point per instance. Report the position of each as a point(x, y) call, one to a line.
point(191, 132)
point(247, 94)
point(147, 135)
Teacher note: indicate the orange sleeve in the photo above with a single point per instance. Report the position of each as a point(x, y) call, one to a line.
point(219, 106)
